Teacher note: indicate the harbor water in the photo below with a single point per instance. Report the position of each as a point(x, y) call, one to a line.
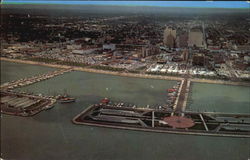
point(219, 98)
point(13, 71)
point(51, 134)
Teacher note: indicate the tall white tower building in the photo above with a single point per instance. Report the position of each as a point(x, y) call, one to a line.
point(195, 38)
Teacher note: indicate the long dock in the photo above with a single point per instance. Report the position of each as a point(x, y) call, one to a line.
point(34, 79)
point(182, 96)
point(178, 96)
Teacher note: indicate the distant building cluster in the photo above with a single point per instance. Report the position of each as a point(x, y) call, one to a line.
point(193, 38)
point(217, 47)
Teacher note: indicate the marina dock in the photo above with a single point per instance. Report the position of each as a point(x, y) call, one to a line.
point(193, 123)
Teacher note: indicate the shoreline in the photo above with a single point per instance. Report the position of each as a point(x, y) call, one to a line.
point(135, 75)
point(91, 70)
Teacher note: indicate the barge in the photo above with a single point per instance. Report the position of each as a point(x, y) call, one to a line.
point(154, 120)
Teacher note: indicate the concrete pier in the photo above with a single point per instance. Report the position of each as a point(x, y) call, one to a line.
point(182, 97)
point(178, 95)
point(34, 79)
point(153, 119)
point(186, 96)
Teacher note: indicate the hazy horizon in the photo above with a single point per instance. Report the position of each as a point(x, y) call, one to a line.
point(167, 4)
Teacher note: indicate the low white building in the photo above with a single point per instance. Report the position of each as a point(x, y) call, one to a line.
point(74, 46)
point(247, 58)
point(111, 47)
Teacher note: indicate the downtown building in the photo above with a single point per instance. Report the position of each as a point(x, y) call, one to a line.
point(169, 38)
point(148, 50)
point(182, 39)
point(195, 38)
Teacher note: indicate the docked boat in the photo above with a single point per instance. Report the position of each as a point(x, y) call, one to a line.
point(171, 90)
point(48, 107)
point(105, 101)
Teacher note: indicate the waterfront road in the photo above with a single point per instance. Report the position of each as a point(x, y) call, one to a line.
point(180, 107)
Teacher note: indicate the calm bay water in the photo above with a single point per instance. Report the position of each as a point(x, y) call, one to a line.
point(13, 71)
point(220, 98)
point(51, 135)
point(91, 88)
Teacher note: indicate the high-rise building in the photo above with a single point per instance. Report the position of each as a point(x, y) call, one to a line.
point(182, 40)
point(169, 37)
point(185, 55)
point(195, 38)
point(148, 51)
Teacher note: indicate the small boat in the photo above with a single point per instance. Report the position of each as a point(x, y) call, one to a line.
point(66, 99)
point(105, 101)
point(171, 90)
point(48, 107)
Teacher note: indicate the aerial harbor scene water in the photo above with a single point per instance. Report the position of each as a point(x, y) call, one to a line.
point(170, 86)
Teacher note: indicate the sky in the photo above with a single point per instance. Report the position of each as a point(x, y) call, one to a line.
point(199, 4)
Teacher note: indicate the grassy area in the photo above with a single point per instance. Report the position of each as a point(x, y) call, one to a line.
point(68, 63)
point(245, 79)
point(107, 68)
point(40, 59)
point(133, 71)
point(48, 60)
point(138, 70)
